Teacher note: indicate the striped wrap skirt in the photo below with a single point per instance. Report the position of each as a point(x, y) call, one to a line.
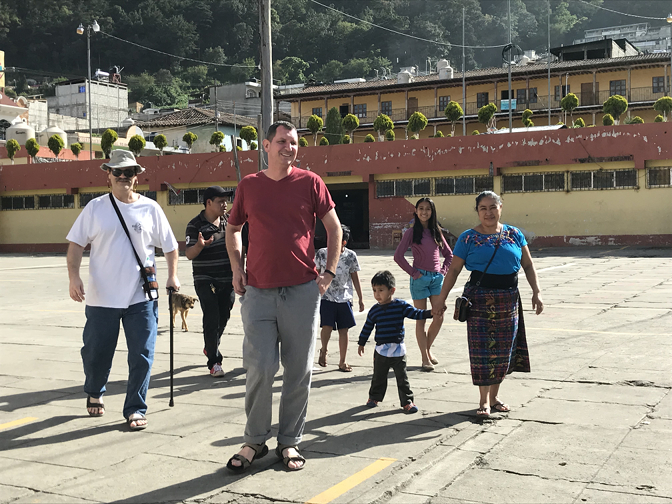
point(496, 334)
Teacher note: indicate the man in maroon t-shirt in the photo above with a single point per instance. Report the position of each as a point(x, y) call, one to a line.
point(280, 291)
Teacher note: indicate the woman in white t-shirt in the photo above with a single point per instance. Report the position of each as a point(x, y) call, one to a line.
point(115, 289)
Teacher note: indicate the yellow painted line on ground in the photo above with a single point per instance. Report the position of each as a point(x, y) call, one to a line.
point(350, 483)
point(16, 423)
point(607, 251)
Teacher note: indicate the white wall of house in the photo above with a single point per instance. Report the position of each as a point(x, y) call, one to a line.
point(109, 102)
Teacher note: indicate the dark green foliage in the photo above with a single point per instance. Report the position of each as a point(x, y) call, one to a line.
point(76, 148)
point(527, 122)
point(350, 124)
point(160, 142)
point(439, 134)
point(417, 122)
point(664, 105)
point(189, 138)
point(303, 142)
point(248, 133)
point(635, 120)
point(615, 105)
point(607, 120)
point(369, 138)
point(333, 130)
point(136, 144)
point(486, 114)
point(390, 136)
point(32, 147)
point(383, 124)
point(324, 141)
point(107, 141)
point(345, 139)
point(216, 139)
point(569, 103)
point(55, 144)
point(579, 123)
point(12, 148)
point(659, 118)
point(254, 145)
point(453, 113)
point(314, 125)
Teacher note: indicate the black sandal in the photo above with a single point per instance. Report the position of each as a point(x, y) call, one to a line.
point(260, 450)
point(137, 426)
point(99, 406)
point(286, 460)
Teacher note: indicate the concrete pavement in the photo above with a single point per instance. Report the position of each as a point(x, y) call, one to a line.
point(591, 423)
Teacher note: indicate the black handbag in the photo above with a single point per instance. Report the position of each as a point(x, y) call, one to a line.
point(148, 273)
point(463, 303)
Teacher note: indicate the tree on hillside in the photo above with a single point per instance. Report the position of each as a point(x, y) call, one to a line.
point(107, 141)
point(350, 123)
point(333, 130)
point(416, 123)
point(55, 144)
point(568, 104)
point(76, 148)
point(248, 133)
point(216, 140)
point(189, 138)
point(12, 148)
point(664, 105)
point(160, 142)
point(32, 147)
point(486, 115)
point(136, 144)
point(314, 125)
point(291, 70)
point(453, 113)
point(616, 106)
point(382, 125)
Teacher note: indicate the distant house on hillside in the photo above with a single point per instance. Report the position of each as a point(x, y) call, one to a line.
point(198, 121)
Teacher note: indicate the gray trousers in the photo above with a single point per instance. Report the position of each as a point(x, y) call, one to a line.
point(279, 323)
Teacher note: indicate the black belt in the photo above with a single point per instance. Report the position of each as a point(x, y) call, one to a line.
point(491, 281)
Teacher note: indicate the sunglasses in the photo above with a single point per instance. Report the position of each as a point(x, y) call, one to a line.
point(128, 172)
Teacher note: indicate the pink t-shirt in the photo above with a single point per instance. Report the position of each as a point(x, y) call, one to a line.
point(281, 215)
point(425, 256)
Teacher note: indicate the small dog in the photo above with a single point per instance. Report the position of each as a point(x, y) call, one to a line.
point(183, 303)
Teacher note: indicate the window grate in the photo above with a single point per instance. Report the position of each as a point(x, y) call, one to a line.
point(17, 203)
point(603, 179)
point(533, 182)
point(659, 177)
point(56, 201)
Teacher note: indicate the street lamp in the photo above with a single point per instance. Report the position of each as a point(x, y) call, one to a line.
point(669, 20)
point(80, 31)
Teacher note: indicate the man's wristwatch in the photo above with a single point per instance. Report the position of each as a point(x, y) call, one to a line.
point(333, 275)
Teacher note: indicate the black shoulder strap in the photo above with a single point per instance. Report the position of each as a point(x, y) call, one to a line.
point(499, 240)
point(123, 224)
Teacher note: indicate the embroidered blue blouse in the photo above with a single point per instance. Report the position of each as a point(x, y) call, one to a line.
point(476, 250)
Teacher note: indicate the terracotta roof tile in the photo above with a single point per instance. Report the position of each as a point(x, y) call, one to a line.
point(196, 117)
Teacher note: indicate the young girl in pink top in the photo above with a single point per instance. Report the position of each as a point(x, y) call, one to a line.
point(426, 241)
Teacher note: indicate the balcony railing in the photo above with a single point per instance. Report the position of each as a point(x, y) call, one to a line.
point(637, 95)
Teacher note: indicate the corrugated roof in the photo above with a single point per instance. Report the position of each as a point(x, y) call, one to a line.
point(530, 69)
point(195, 117)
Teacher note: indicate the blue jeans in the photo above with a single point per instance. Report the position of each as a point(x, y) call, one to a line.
point(100, 341)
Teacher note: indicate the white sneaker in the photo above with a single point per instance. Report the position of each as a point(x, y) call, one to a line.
point(216, 371)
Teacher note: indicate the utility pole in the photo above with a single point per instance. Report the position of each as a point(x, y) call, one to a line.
point(510, 54)
point(90, 83)
point(216, 121)
point(266, 69)
point(549, 62)
point(464, 87)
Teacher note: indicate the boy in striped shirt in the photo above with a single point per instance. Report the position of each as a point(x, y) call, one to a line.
point(390, 352)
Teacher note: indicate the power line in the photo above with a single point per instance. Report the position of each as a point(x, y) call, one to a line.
point(406, 34)
point(621, 13)
point(236, 65)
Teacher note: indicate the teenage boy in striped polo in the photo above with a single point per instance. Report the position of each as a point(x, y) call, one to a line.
point(390, 352)
point(206, 249)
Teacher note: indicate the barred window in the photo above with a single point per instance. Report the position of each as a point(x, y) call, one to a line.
point(148, 194)
point(534, 182)
point(561, 92)
point(482, 99)
point(444, 186)
point(617, 87)
point(56, 201)
point(655, 177)
point(384, 188)
point(409, 187)
point(17, 203)
point(604, 179)
point(186, 197)
point(462, 185)
point(85, 198)
point(521, 96)
point(360, 110)
point(443, 102)
point(533, 95)
point(317, 111)
point(421, 187)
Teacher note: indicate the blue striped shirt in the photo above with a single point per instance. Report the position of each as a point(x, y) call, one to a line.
point(388, 319)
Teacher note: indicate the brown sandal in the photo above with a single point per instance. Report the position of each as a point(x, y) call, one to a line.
point(322, 359)
point(345, 367)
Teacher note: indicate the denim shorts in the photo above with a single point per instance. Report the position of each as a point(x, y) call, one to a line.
point(336, 315)
point(429, 284)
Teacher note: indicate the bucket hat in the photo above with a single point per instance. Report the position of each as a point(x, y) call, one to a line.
point(122, 159)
